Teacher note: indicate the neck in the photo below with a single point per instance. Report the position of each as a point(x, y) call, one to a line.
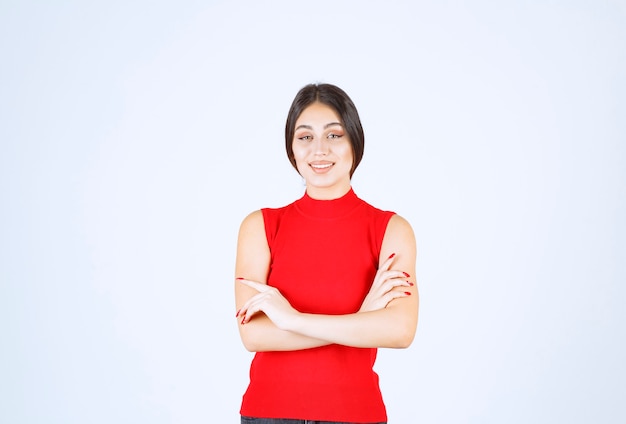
point(327, 193)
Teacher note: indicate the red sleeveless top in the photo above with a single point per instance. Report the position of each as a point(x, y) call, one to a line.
point(324, 256)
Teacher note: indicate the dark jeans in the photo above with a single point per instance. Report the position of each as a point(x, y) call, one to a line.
point(249, 420)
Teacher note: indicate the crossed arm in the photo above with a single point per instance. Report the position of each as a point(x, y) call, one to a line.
point(387, 317)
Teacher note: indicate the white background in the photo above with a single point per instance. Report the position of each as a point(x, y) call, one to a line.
point(135, 136)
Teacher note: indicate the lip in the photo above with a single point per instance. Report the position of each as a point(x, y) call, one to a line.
point(321, 167)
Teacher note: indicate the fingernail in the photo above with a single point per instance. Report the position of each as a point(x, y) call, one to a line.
point(406, 275)
point(407, 293)
point(410, 283)
point(239, 278)
point(243, 320)
point(392, 255)
point(237, 314)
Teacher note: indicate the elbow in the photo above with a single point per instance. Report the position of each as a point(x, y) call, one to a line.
point(255, 336)
point(403, 339)
point(404, 335)
point(251, 348)
point(404, 327)
point(250, 343)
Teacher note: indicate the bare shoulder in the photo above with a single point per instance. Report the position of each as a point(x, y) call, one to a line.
point(253, 222)
point(252, 231)
point(400, 230)
point(399, 239)
point(398, 223)
point(253, 254)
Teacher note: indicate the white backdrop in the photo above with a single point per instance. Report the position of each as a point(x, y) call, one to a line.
point(135, 136)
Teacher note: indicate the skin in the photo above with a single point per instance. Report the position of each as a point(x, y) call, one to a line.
point(323, 152)
point(388, 315)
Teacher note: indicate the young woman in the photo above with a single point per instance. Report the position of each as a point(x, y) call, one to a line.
point(324, 281)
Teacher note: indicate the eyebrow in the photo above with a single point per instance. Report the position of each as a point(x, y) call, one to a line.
point(309, 127)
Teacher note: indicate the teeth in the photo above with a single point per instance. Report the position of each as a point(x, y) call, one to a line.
point(322, 166)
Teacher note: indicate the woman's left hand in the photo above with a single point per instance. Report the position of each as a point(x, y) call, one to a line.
point(384, 289)
point(270, 301)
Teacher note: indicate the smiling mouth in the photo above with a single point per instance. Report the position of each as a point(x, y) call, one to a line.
point(321, 165)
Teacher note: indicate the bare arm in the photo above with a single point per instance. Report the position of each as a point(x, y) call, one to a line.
point(393, 325)
point(253, 261)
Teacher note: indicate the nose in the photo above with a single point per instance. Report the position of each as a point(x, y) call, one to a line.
point(321, 146)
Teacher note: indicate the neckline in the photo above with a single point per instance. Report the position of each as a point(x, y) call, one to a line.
point(328, 209)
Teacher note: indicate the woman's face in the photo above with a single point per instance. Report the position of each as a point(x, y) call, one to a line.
point(323, 153)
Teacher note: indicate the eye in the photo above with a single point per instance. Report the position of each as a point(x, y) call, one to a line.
point(305, 137)
point(335, 136)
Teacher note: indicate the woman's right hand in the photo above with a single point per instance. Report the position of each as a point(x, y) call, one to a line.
point(382, 291)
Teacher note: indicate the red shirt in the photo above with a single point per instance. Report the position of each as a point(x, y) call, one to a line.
point(324, 256)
